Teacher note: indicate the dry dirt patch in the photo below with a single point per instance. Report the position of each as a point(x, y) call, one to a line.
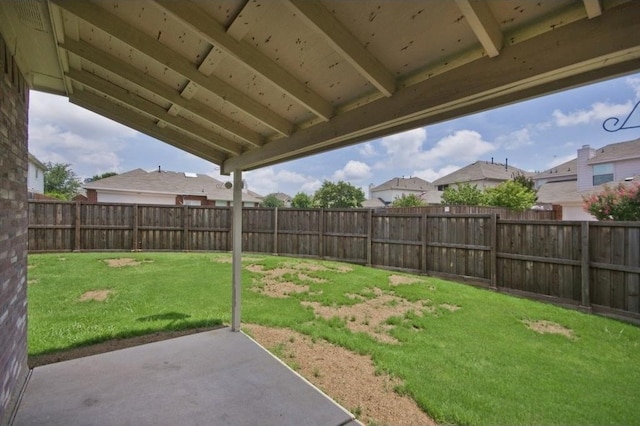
point(548, 327)
point(272, 286)
point(347, 377)
point(370, 315)
point(125, 261)
point(97, 295)
point(401, 279)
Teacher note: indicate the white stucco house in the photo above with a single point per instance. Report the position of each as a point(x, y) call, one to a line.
point(385, 193)
point(167, 188)
point(592, 169)
point(35, 176)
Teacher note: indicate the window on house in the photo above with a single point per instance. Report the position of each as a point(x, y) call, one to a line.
point(442, 187)
point(602, 173)
point(192, 202)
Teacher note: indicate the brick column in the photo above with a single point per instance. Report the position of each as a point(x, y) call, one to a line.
point(14, 100)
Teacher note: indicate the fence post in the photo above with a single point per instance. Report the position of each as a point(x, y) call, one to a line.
point(494, 250)
point(584, 270)
point(423, 241)
point(275, 230)
point(136, 235)
point(321, 234)
point(185, 228)
point(78, 218)
point(369, 236)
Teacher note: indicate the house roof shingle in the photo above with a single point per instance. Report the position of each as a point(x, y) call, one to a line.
point(566, 169)
point(480, 170)
point(616, 152)
point(166, 182)
point(410, 184)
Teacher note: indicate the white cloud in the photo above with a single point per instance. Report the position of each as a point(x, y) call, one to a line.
point(311, 187)
point(368, 150)
point(405, 150)
point(268, 180)
point(352, 171)
point(430, 174)
point(634, 83)
point(515, 140)
point(598, 111)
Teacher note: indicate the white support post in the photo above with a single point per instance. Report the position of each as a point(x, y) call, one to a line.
point(236, 292)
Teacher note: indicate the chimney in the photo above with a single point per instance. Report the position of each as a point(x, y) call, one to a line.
point(506, 164)
point(159, 170)
point(584, 170)
point(491, 160)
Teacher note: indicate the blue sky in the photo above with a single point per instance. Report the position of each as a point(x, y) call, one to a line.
point(533, 135)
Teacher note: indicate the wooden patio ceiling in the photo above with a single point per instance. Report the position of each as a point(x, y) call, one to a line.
point(246, 84)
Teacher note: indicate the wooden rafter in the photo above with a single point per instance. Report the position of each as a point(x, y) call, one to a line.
point(483, 24)
point(113, 91)
point(340, 38)
point(209, 29)
point(133, 75)
point(106, 108)
point(154, 49)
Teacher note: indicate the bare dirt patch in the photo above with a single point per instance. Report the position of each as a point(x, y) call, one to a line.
point(401, 279)
point(549, 327)
point(370, 396)
point(450, 308)
point(97, 295)
point(31, 282)
point(229, 259)
point(272, 285)
point(313, 267)
point(124, 261)
point(370, 315)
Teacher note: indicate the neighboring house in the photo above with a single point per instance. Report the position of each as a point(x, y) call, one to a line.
point(394, 188)
point(286, 199)
point(483, 174)
point(35, 176)
point(568, 183)
point(163, 187)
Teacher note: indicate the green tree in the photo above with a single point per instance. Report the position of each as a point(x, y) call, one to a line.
point(463, 194)
point(338, 195)
point(527, 182)
point(619, 203)
point(411, 200)
point(272, 201)
point(102, 176)
point(302, 201)
point(60, 181)
point(510, 194)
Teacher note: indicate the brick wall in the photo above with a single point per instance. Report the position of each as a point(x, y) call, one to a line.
point(14, 99)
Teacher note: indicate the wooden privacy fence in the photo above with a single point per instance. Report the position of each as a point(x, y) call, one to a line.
point(595, 265)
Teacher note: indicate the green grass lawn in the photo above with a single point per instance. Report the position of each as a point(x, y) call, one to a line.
point(479, 364)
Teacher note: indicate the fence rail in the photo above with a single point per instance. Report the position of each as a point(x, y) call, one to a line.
point(593, 265)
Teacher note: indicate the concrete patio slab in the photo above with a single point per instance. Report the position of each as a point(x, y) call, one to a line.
point(213, 378)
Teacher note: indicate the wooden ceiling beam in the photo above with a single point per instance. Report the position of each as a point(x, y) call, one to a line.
point(577, 53)
point(315, 15)
point(151, 47)
point(593, 8)
point(116, 66)
point(137, 102)
point(108, 109)
point(212, 31)
point(483, 24)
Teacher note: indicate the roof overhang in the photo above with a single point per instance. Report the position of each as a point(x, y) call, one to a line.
point(246, 84)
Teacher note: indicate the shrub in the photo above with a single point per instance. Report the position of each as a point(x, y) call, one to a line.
point(619, 203)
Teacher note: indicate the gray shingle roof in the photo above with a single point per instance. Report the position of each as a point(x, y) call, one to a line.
point(479, 171)
point(411, 183)
point(166, 182)
point(616, 152)
point(569, 168)
point(567, 191)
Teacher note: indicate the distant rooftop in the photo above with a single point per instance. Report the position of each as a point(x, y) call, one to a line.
point(481, 170)
point(410, 183)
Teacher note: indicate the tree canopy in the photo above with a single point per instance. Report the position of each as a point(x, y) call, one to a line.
point(302, 201)
point(411, 200)
point(101, 176)
point(338, 195)
point(463, 194)
point(60, 181)
point(619, 203)
point(272, 201)
point(510, 194)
